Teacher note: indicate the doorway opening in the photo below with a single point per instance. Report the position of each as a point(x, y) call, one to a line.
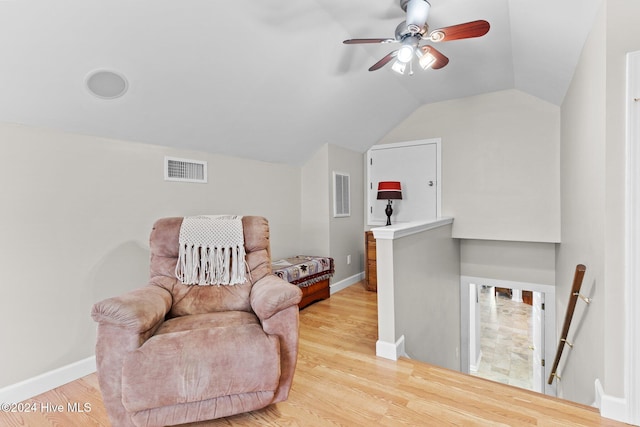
point(508, 349)
point(516, 323)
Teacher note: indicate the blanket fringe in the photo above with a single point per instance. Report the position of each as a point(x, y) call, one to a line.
point(205, 265)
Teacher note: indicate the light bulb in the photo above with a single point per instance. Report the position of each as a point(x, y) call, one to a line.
point(427, 60)
point(405, 53)
point(399, 67)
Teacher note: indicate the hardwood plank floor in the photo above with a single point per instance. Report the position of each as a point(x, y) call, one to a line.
point(340, 382)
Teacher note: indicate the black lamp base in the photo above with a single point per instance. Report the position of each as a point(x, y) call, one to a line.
point(389, 212)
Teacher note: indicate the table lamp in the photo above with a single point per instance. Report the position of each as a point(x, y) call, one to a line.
point(389, 190)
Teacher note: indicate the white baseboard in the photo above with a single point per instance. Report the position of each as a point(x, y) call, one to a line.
point(390, 350)
point(611, 407)
point(599, 393)
point(345, 283)
point(31, 387)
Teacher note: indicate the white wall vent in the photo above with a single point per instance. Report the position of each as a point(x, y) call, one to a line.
point(185, 170)
point(341, 195)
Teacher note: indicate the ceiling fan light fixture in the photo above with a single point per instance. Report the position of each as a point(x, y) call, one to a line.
point(411, 32)
point(426, 60)
point(399, 67)
point(405, 53)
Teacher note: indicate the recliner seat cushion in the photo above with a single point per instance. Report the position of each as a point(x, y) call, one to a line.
point(190, 366)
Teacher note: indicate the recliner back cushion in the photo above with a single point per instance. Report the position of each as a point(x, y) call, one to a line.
point(194, 299)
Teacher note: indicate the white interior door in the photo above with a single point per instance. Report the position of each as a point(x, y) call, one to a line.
point(416, 165)
point(538, 341)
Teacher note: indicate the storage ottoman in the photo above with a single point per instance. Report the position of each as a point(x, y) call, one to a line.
point(310, 273)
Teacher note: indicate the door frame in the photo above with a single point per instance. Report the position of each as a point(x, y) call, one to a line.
point(549, 327)
point(632, 240)
point(542, 379)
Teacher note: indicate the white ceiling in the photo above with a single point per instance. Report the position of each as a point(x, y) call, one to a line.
point(271, 79)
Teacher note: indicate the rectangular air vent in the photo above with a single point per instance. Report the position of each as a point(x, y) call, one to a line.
point(185, 170)
point(341, 195)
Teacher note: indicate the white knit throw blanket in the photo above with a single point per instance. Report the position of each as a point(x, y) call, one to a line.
point(211, 251)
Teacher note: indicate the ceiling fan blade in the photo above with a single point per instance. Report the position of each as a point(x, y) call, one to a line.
point(440, 60)
point(362, 41)
point(383, 61)
point(461, 31)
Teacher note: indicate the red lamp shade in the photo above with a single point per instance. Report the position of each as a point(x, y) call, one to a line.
point(389, 190)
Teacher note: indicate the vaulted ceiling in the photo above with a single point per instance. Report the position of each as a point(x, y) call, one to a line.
point(271, 79)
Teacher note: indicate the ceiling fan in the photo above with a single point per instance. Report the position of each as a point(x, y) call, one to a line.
point(414, 30)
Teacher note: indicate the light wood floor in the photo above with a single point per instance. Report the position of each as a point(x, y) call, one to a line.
point(340, 382)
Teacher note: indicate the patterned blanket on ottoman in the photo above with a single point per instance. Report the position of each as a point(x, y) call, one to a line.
point(304, 270)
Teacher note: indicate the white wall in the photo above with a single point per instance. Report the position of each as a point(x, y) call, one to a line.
point(583, 203)
point(500, 180)
point(514, 261)
point(593, 185)
point(623, 36)
point(75, 222)
point(315, 191)
point(426, 295)
point(322, 234)
point(500, 164)
point(347, 233)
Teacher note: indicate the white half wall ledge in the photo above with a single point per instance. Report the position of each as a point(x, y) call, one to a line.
point(42, 383)
point(396, 231)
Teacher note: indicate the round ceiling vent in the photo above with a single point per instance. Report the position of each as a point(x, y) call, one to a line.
point(106, 84)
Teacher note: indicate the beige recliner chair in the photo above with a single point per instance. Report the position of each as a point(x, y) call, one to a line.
point(170, 353)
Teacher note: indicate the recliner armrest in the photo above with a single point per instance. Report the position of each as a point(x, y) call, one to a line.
point(139, 310)
point(271, 294)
